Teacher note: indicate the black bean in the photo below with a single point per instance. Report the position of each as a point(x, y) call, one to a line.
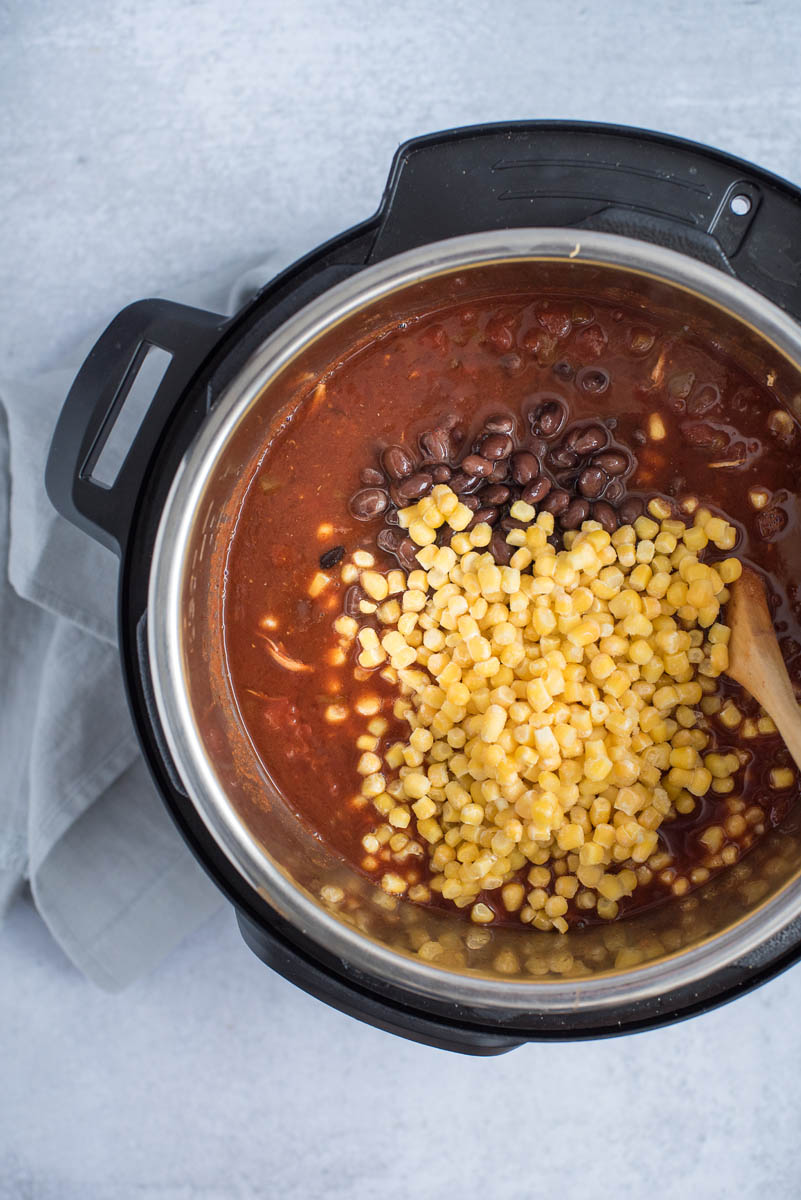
point(500, 423)
point(407, 554)
point(397, 462)
point(414, 487)
point(390, 539)
point(575, 514)
point(391, 517)
point(563, 457)
point(630, 510)
point(537, 446)
point(704, 400)
point(593, 379)
point(536, 490)
point(368, 503)
point(331, 557)
point(555, 318)
point(697, 433)
point(556, 501)
point(500, 471)
point(488, 516)
point(592, 481)
point(582, 314)
point(471, 502)
point(589, 439)
point(605, 515)
point(353, 598)
point(615, 491)
point(508, 523)
point(474, 465)
point(549, 418)
point(462, 484)
point(641, 340)
point(370, 477)
point(436, 445)
point(563, 370)
point(612, 461)
point(680, 385)
point(499, 334)
point(497, 445)
point(500, 549)
point(494, 495)
point(524, 467)
point(440, 473)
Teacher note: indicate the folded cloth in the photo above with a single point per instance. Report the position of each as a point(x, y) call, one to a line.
point(80, 819)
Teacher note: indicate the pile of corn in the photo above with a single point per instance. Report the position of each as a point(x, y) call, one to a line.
point(552, 704)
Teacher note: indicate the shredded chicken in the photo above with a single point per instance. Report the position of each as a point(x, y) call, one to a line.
point(659, 368)
point(282, 658)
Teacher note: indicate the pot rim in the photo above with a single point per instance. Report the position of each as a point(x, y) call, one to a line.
point(358, 950)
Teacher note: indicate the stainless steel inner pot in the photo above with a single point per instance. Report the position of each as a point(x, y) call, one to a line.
point(515, 971)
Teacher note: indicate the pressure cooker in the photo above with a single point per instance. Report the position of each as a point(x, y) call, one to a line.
point(525, 204)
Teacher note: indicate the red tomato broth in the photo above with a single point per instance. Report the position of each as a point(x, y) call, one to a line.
point(469, 361)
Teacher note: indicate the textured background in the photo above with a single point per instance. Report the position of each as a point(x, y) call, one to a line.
point(145, 144)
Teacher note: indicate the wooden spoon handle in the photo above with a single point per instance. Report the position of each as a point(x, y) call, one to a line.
point(756, 660)
point(777, 697)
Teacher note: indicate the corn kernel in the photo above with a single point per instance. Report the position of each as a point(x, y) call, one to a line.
point(656, 428)
point(782, 777)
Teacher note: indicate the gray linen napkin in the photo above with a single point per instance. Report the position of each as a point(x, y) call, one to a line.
point(79, 817)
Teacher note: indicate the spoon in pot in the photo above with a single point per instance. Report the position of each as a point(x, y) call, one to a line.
point(755, 660)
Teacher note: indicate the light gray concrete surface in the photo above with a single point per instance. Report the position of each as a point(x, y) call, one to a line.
point(216, 1079)
point(143, 144)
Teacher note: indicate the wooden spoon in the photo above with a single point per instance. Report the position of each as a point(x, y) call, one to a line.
point(755, 660)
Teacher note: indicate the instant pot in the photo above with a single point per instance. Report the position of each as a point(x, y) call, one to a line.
point(658, 222)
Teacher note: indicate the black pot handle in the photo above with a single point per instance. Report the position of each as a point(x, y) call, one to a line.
point(649, 186)
point(356, 1002)
point(96, 398)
